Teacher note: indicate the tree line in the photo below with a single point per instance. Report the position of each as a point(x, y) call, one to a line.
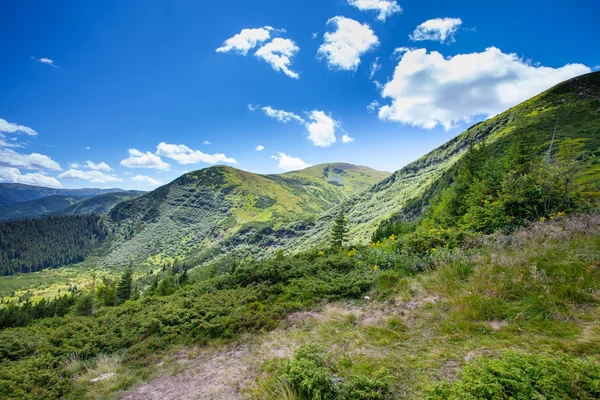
point(34, 244)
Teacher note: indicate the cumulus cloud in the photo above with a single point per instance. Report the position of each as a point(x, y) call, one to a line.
point(347, 139)
point(11, 127)
point(102, 166)
point(320, 126)
point(279, 53)
point(373, 106)
point(246, 40)
point(260, 147)
point(137, 159)
point(92, 176)
point(184, 155)
point(46, 61)
point(206, 142)
point(13, 175)
point(438, 29)
point(143, 179)
point(321, 129)
point(289, 163)
point(10, 158)
point(384, 7)
point(429, 90)
point(343, 47)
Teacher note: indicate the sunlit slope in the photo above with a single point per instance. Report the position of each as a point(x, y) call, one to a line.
point(574, 104)
point(201, 209)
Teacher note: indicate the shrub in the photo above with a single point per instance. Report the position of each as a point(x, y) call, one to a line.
point(308, 371)
point(524, 376)
point(361, 387)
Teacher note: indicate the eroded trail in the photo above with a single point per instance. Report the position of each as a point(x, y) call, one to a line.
point(215, 375)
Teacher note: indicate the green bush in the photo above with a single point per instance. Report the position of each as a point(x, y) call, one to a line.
point(309, 372)
point(522, 376)
point(361, 387)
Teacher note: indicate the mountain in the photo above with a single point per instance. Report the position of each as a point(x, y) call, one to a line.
point(222, 209)
point(65, 205)
point(100, 204)
point(13, 193)
point(572, 107)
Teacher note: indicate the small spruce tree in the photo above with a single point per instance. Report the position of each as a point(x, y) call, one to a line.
point(339, 231)
point(123, 291)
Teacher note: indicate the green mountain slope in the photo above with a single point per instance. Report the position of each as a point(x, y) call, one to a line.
point(13, 193)
point(221, 209)
point(575, 104)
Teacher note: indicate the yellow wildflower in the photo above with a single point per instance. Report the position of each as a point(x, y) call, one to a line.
point(321, 253)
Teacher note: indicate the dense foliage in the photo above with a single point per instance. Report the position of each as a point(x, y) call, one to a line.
point(489, 193)
point(253, 296)
point(35, 244)
point(522, 376)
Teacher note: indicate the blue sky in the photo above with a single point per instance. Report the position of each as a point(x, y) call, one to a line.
point(132, 94)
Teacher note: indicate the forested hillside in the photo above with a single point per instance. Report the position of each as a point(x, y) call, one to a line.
point(34, 244)
point(221, 210)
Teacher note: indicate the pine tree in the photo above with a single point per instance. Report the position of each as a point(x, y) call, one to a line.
point(339, 231)
point(123, 291)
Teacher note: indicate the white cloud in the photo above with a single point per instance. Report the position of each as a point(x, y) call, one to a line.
point(252, 108)
point(347, 139)
point(438, 29)
point(13, 175)
point(137, 159)
point(10, 158)
point(344, 47)
point(92, 176)
point(373, 106)
point(11, 127)
point(260, 147)
point(145, 179)
point(321, 129)
point(184, 155)
point(384, 7)
point(289, 163)
point(206, 142)
point(74, 165)
point(282, 116)
point(429, 90)
point(315, 35)
point(279, 53)
point(88, 148)
point(11, 143)
point(46, 61)
point(102, 166)
point(374, 67)
point(246, 40)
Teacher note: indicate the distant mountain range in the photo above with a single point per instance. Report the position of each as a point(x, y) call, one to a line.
point(14, 193)
point(66, 205)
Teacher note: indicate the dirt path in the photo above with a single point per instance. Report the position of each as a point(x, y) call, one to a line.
point(215, 375)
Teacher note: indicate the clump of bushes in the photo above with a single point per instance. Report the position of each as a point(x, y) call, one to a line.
point(311, 374)
point(524, 376)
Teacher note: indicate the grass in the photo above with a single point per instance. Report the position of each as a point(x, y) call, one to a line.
point(535, 292)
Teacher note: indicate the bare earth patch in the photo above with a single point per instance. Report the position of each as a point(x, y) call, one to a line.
point(215, 375)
